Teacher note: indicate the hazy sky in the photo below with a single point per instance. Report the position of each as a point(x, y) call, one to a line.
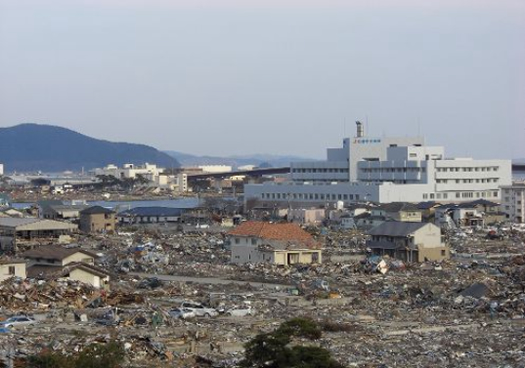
point(226, 77)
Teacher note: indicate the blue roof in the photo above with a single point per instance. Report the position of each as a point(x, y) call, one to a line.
point(153, 211)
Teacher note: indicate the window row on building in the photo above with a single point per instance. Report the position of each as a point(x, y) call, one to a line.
point(310, 196)
point(513, 199)
point(394, 169)
point(467, 181)
point(314, 170)
point(461, 195)
point(467, 169)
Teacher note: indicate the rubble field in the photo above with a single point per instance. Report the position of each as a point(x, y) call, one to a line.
point(465, 312)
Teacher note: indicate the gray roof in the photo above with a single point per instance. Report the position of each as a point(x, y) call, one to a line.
point(95, 210)
point(398, 206)
point(397, 228)
point(54, 252)
point(427, 205)
point(94, 270)
point(478, 202)
point(153, 211)
point(66, 207)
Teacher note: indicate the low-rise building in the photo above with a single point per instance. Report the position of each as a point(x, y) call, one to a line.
point(57, 256)
point(57, 210)
point(408, 241)
point(12, 268)
point(476, 213)
point(150, 215)
point(513, 201)
point(278, 243)
point(97, 219)
point(310, 216)
point(16, 229)
point(88, 274)
point(72, 263)
point(398, 211)
point(428, 209)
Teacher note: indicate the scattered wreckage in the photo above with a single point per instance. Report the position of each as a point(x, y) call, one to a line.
point(466, 311)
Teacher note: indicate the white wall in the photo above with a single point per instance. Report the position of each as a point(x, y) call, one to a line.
point(20, 270)
point(215, 168)
point(78, 257)
point(429, 236)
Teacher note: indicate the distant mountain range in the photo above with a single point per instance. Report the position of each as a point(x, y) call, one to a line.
point(236, 161)
point(33, 147)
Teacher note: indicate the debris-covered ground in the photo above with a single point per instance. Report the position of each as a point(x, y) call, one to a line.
point(466, 312)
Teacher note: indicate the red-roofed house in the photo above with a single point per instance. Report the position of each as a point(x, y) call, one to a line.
point(280, 243)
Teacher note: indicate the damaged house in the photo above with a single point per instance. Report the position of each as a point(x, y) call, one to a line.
point(278, 243)
point(72, 263)
point(408, 241)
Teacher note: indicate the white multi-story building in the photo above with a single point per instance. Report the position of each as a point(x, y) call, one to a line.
point(149, 171)
point(212, 169)
point(387, 170)
point(1, 169)
point(513, 201)
point(341, 163)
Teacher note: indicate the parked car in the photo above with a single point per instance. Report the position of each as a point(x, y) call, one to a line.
point(17, 321)
point(182, 313)
point(240, 311)
point(200, 310)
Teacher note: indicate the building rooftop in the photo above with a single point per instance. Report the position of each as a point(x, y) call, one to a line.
point(397, 228)
point(34, 224)
point(97, 271)
point(54, 252)
point(427, 205)
point(152, 211)
point(397, 207)
point(271, 231)
point(95, 210)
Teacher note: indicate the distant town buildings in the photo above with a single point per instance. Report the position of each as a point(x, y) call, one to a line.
point(153, 176)
point(384, 170)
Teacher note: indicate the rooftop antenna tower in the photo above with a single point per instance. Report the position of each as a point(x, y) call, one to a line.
point(360, 129)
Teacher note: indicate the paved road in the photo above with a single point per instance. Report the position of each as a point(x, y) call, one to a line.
point(208, 280)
